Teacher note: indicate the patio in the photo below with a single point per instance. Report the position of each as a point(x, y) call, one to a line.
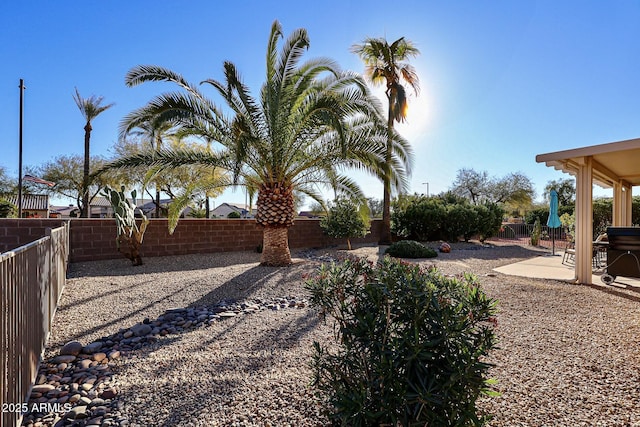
point(551, 267)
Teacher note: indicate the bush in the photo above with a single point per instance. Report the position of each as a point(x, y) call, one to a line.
point(462, 221)
point(410, 249)
point(489, 220)
point(445, 217)
point(536, 233)
point(233, 215)
point(418, 217)
point(410, 344)
point(7, 209)
point(346, 220)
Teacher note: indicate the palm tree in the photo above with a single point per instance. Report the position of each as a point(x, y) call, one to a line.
point(310, 123)
point(90, 108)
point(153, 133)
point(386, 63)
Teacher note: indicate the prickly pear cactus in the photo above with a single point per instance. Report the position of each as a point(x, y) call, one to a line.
point(129, 237)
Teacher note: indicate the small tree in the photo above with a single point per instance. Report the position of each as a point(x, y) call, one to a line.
point(346, 220)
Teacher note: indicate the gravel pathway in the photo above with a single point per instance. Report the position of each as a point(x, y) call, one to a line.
point(569, 355)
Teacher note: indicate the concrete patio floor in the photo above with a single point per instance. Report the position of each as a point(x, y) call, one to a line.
point(551, 267)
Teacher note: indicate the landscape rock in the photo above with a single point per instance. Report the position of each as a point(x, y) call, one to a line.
point(141, 329)
point(71, 348)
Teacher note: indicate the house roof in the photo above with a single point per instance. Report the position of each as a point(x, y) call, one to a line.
point(33, 202)
point(238, 207)
point(100, 201)
point(612, 162)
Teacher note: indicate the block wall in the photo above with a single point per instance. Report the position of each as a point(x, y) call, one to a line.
point(94, 239)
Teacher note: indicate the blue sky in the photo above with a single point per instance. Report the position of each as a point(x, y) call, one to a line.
point(501, 81)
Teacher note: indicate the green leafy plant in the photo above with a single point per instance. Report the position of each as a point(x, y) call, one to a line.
point(536, 233)
point(569, 225)
point(233, 215)
point(410, 348)
point(410, 249)
point(346, 220)
point(7, 209)
point(462, 220)
point(489, 220)
point(418, 217)
point(446, 216)
point(129, 235)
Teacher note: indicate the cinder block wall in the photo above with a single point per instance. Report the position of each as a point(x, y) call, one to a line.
point(94, 239)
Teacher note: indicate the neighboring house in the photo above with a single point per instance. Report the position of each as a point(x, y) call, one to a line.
point(33, 205)
point(100, 207)
point(70, 211)
point(308, 214)
point(223, 210)
point(149, 208)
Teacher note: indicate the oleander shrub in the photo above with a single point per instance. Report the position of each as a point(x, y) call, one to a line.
point(410, 345)
point(410, 249)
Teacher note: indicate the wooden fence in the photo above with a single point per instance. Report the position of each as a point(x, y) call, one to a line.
point(32, 278)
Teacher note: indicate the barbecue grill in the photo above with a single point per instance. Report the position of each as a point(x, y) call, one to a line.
point(623, 253)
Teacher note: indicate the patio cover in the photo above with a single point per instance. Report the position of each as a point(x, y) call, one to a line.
point(614, 165)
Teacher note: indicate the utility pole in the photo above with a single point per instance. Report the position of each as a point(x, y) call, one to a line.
point(427, 184)
point(22, 88)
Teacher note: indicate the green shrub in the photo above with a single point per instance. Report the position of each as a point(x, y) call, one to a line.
point(410, 249)
point(411, 345)
point(7, 209)
point(461, 221)
point(536, 233)
point(418, 217)
point(489, 220)
point(346, 220)
point(233, 215)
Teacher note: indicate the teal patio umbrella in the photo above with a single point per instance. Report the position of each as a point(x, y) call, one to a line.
point(554, 221)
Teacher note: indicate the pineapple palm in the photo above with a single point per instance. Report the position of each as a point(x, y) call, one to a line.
point(310, 124)
point(386, 64)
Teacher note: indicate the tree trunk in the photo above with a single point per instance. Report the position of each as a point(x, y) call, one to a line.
point(275, 247)
point(276, 211)
point(85, 176)
point(157, 202)
point(385, 233)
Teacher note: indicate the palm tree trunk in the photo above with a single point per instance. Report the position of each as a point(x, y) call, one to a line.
point(385, 233)
point(157, 201)
point(85, 176)
point(275, 246)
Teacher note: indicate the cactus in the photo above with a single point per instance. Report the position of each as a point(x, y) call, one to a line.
point(129, 235)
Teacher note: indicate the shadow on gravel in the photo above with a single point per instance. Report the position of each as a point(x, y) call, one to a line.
point(164, 264)
point(622, 292)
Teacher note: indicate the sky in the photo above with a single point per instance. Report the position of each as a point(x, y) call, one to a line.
point(501, 81)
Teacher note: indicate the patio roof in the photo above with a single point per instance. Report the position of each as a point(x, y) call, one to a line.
point(614, 162)
point(614, 165)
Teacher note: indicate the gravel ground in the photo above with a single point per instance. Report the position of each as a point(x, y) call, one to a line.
point(569, 355)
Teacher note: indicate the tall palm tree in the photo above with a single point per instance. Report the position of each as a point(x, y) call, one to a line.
point(386, 64)
point(153, 133)
point(311, 121)
point(90, 108)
